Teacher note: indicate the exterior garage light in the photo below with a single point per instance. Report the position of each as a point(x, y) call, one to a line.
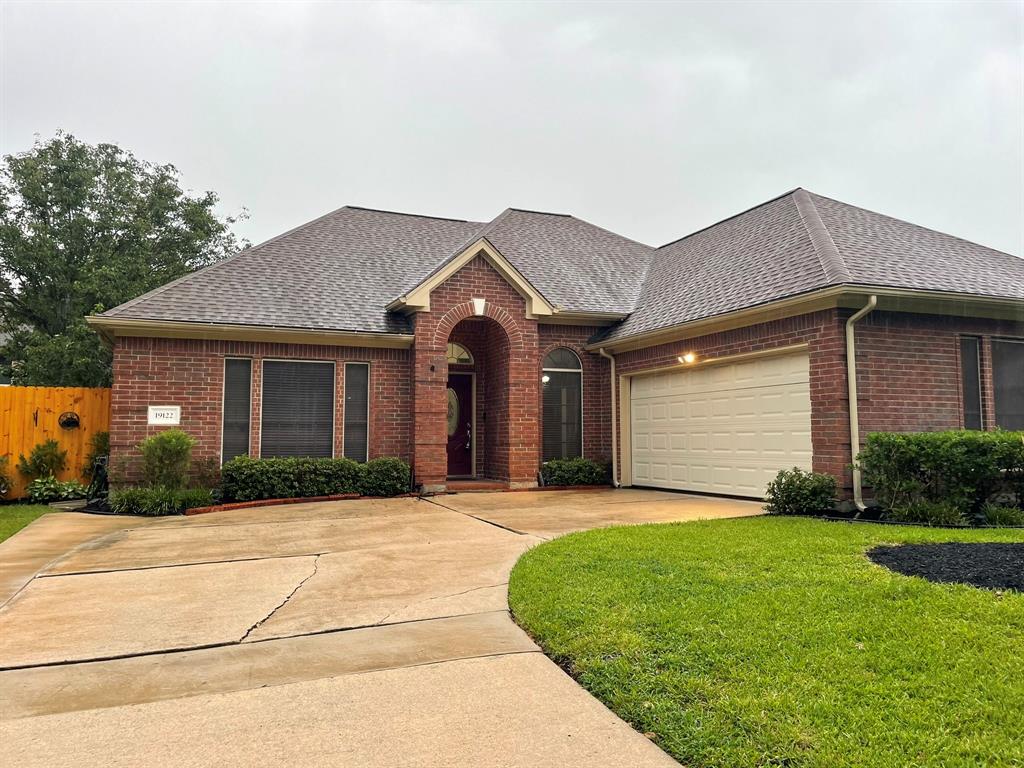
point(689, 357)
point(545, 378)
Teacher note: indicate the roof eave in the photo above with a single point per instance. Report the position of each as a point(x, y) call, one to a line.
point(110, 328)
point(890, 298)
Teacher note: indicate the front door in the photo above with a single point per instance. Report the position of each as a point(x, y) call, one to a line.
point(460, 425)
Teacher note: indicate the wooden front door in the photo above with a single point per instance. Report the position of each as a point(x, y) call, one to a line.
point(460, 425)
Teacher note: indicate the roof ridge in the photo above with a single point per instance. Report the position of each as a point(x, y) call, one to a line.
point(912, 224)
point(727, 218)
point(832, 263)
point(405, 213)
point(541, 213)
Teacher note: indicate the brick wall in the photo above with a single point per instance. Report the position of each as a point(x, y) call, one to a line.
point(190, 373)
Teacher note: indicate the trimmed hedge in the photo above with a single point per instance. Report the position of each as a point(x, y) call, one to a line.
point(577, 471)
point(248, 479)
point(158, 501)
point(798, 492)
point(911, 473)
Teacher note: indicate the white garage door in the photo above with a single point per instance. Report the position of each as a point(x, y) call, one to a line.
point(722, 428)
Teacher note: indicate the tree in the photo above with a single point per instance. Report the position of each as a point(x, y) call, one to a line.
point(84, 228)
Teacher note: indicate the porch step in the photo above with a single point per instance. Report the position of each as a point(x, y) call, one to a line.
point(468, 486)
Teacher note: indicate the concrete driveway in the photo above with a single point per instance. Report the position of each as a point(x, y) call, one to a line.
point(354, 633)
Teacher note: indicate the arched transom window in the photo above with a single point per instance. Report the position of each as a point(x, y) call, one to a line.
point(459, 354)
point(562, 382)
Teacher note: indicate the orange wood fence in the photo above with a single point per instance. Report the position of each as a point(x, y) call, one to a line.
point(29, 416)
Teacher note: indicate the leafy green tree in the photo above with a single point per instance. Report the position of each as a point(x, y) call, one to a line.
point(84, 228)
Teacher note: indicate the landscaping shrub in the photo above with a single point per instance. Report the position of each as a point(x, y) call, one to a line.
point(205, 472)
point(45, 460)
point(166, 458)
point(576, 471)
point(962, 468)
point(43, 490)
point(5, 478)
point(385, 477)
point(798, 492)
point(158, 501)
point(247, 479)
point(929, 513)
point(998, 514)
point(99, 445)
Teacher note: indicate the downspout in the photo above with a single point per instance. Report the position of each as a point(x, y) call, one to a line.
point(615, 431)
point(851, 385)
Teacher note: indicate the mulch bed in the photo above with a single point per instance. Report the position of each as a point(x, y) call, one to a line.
point(994, 566)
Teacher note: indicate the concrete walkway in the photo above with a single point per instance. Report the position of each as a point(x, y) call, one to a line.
point(356, 633)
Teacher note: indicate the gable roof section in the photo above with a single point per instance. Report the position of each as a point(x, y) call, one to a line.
point(335, 273)
point(801, 242)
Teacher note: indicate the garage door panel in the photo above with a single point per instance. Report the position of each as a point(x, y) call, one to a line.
point(722, 429)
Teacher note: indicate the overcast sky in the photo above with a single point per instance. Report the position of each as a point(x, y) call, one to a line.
point(649, 120)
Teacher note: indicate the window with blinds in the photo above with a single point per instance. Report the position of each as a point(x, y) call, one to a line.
point(297, 409)
point(1008, 382)
point(236, 408)
point(562, 383)
point(357, 411)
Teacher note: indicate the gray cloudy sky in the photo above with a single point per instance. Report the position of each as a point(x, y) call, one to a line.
point(650, 120)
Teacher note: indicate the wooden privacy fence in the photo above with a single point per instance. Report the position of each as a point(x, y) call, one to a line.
point(31, 415)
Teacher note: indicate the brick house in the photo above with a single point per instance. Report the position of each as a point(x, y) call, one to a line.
point(481, 350)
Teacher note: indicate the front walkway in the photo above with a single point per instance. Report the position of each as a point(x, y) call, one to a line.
point(361, 633)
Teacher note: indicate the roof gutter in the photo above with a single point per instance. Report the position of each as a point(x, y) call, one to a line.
point(851, 385)
point(615, 431)
point(111, 327)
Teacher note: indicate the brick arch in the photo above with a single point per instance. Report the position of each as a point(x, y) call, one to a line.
point(465, 311)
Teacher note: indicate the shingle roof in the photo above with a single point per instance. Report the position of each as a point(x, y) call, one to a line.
point(335, 273)
point(340, 271)
point(800, 242)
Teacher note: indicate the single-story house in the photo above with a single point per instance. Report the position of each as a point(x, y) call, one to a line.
point(483, 349)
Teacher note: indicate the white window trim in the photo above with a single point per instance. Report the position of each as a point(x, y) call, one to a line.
point(223, 403)
point(344, 387)
point(579, 370)
point(334, 396)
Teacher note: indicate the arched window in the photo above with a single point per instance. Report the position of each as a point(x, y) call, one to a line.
point(562, 383)
point(459, 354)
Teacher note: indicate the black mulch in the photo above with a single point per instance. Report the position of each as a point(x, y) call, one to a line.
point(996, 566)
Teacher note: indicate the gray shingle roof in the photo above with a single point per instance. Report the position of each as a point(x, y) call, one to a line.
point(340, 271)
point(335, 273)
point(800, 242)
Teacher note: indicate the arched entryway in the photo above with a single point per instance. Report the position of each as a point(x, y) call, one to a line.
point(477, 401)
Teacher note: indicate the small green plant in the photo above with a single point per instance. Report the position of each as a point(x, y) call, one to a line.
point(45, 459)
point(158, 501)
point(941, 513)
point(5, 477)
point(385, 477)
point(799, 492)
point(166, 458)
point(99, 445)
point(43, 490)
point(998, 514)
point(578, 471)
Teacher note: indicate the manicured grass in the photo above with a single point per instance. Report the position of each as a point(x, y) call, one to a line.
point(776, 642)
point(14, 517)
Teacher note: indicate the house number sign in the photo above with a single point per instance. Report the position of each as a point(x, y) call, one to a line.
point(165, 414)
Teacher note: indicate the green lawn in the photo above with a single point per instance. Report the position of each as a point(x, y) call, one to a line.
point(14, 517)
point(775, 642)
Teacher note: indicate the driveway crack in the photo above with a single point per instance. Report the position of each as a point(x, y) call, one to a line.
point(439, 597)
point(283, 603)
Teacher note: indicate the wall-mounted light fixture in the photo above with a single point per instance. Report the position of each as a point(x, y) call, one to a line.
point(688, 358)
point(545, 378)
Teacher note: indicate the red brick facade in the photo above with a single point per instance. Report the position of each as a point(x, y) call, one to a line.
point(908, 377)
